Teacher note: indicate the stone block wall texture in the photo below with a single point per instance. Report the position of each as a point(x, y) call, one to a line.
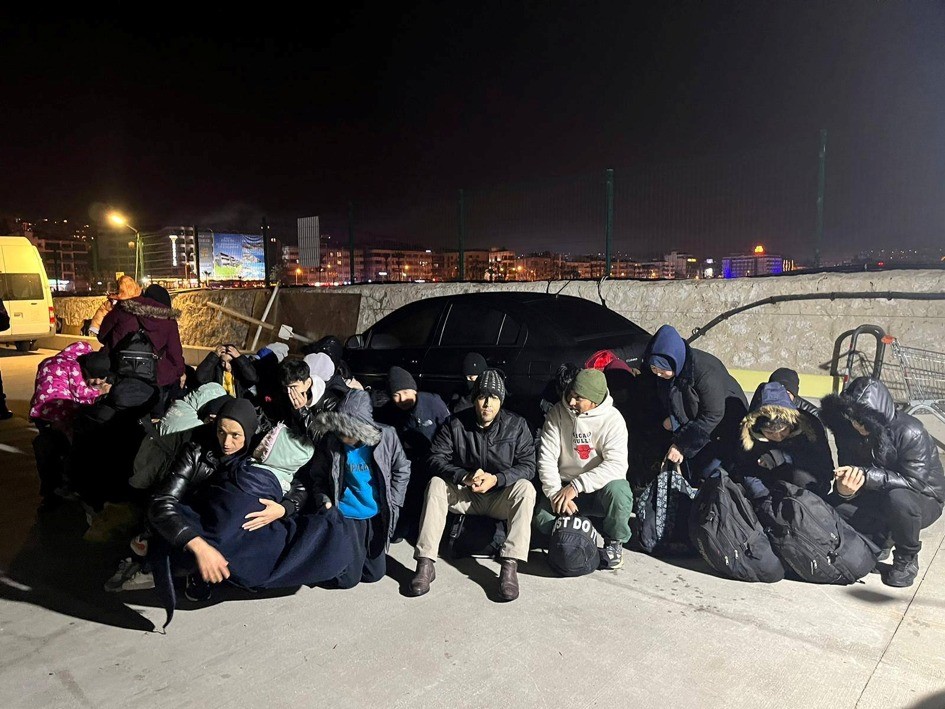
point(794, 334)
point(798, 334)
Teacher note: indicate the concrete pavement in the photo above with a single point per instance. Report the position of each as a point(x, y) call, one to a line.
point(657, 633)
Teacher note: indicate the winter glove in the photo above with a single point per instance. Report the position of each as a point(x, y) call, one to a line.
point(773, 459)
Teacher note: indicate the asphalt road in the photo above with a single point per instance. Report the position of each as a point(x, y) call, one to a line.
point(656, 633)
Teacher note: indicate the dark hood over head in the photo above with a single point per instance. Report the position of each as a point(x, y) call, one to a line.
point(866, 400)
point(667, 344)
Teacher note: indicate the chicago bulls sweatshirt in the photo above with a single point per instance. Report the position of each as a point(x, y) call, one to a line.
point(587, 450)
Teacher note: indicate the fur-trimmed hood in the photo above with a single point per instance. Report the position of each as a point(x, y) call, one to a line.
point(353, 419)
point(771, 403)
point(751, 424)
point(146, 308)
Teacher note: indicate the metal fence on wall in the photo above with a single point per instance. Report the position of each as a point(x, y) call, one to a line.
point(800, 200)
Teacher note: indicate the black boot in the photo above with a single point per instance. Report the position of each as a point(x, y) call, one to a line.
point(423, 578)
point(904, 570)
point(508, 580)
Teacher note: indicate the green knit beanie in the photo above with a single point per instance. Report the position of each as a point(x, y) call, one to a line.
point(590, 384)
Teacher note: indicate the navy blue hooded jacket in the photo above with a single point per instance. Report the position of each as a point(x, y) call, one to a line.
point(703, 397)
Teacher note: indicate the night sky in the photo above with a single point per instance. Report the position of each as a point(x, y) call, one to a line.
point(708, 112)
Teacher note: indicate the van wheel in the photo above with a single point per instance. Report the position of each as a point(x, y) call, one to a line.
point(25, 345)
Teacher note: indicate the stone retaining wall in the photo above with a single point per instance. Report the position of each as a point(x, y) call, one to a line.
point(796, 334)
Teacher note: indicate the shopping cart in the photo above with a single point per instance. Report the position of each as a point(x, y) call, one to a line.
point(924, 375)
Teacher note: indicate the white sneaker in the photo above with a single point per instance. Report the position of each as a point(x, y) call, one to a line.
point(141, 581)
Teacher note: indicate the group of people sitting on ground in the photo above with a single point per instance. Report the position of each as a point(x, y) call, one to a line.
point(270, 470)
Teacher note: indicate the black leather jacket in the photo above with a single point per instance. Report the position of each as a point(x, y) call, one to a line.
point(506, 448)
point(897, 453)
point(195, 466)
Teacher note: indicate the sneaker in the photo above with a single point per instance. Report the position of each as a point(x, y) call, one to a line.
point(197, 590)
point(127, 568)
point(6, 414)
point(884, 553)
point(612, 555)
point(905, 569)
point(141, 581)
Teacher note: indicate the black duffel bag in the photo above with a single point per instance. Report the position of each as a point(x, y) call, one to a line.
point(814, 541)
point(726, 531)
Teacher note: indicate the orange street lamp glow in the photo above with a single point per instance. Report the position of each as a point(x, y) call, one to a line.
point(759, 249)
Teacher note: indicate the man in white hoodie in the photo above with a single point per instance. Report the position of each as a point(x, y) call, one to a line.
point(582, 463)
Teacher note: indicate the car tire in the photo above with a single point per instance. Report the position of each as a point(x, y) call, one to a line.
point(25, 345)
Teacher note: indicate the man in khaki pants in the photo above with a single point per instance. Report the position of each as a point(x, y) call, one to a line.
point(483, 461)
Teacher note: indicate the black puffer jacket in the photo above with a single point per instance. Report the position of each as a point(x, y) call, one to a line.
point(897, 453)
point(506, 448)
point(703, 397)
point(196, 465)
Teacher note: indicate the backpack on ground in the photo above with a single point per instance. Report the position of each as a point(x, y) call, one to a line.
point(661, 511)
point(134, 356)
point(726, 531)
point(814, 541)
point(473, 535)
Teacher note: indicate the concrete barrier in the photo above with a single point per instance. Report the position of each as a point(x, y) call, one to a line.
point(795, 334)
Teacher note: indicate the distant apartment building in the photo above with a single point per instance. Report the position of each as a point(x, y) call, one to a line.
point(757, 263)
point(682, 265)
point(68, 263)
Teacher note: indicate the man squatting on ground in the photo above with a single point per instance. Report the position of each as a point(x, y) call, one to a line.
point(483, 461)
point(582, 463)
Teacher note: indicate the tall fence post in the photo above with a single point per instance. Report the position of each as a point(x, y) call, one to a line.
point(821, 187)
point(462, 236)
point(609, 224)
point(197, 252)
point(265, 237)
point(351, 241)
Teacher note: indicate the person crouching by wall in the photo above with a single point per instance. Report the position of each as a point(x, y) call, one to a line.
point(890, 484)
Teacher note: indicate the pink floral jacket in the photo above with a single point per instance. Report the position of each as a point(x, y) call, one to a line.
point(60, 388)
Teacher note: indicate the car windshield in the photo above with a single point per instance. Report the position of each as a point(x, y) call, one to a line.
point(586, 321)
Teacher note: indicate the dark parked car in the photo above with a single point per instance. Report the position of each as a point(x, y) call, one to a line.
point(526, 335)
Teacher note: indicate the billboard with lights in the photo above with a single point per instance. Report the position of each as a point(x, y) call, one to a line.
point(233, 257)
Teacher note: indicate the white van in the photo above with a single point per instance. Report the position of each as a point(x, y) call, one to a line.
point(24, 289)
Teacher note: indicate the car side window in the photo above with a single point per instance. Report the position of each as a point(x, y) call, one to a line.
point(408, 329)
point(473, 325)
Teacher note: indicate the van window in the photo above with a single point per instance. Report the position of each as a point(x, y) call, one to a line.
point(21, 286)
point(474, 325)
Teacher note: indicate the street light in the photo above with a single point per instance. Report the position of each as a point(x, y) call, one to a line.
point(298, 272)
point(119, 220)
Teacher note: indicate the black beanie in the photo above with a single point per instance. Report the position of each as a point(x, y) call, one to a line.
point(474, 364)
point(158, 293)
point(788, 378)
point(94, 365)
point(399, 379)
point(241, 411)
